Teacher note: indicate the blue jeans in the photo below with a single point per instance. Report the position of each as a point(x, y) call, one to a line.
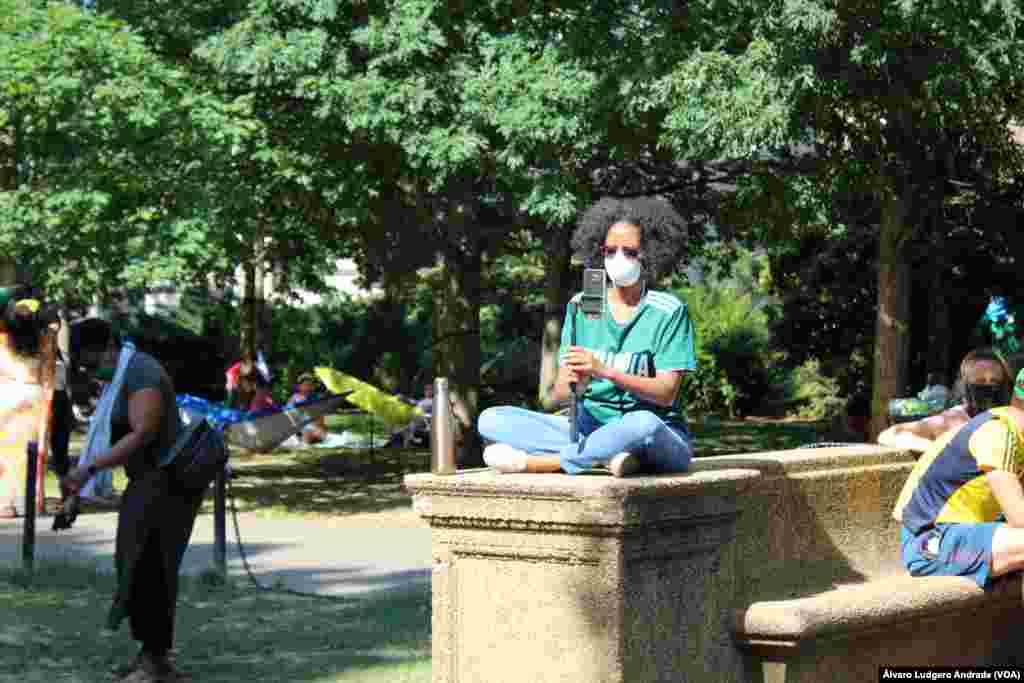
point(660, 446)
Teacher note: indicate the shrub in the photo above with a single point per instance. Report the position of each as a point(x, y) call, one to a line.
point(817, 396)
point(734, 359)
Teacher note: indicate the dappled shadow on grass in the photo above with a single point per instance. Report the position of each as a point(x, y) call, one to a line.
point(729, 437)
point(224, 633)
point(294, 553)
point(267, 636)
point(326, 482)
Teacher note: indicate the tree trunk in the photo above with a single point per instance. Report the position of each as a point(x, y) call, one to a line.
point(103, 304)
point(8, 272)
point(261, 313)
point(216, 299)
point(457, 329)
point(247, 322)
point(892, 331)
point(9, 182)
point(556, 295)
point(940, 333)
point(9, 159)
point(253, 319)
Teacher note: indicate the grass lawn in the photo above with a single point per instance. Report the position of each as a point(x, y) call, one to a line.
point(726, 437)
point(50, 633)
point(315, 482)
point(309, 481)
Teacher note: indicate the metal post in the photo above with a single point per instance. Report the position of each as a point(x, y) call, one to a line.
point(442, 435)
point(28, 543)
point(574, 430)
point(373, 454)
point(219, 525)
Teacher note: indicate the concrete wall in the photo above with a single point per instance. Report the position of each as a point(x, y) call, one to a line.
point(826, 511)
point(591, 578)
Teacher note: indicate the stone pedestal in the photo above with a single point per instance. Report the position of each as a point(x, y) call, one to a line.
point(555, 578)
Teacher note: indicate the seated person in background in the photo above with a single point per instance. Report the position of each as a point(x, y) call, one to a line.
point(426, 404)
point(986, 379)
point(315, 431)
point(261, 397)
point(962, 508)
point(421, 423)
point(232, 378)
point(935, 390)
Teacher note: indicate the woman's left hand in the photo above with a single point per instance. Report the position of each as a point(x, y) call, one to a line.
point(585, 362)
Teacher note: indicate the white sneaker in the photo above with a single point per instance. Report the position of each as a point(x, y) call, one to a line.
point(624, 464)
point(505, 458)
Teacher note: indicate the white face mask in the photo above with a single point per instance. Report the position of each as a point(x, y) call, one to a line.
point(623, 271)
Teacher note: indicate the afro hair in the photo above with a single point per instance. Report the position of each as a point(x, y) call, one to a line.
point(663, 232)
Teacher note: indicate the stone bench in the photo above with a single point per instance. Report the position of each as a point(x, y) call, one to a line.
point(848, 633)
point(681, 578)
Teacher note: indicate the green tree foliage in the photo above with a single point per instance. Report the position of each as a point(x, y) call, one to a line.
point(736, 366)
point(898, 101)
point(108, 152)
point(435, 130)
point(814, 395)
point(748, 361)
point(379, 340)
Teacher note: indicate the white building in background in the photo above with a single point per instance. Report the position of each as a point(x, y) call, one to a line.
point(161, 297)
point(344, 280)
point(164, 296)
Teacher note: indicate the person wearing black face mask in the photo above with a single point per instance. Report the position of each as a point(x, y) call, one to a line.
point(981, 397)
point(985, 379)
point(135, 425)
point(961, 510)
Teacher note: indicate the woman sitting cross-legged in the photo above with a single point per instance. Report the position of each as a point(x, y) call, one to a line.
point(627, 362)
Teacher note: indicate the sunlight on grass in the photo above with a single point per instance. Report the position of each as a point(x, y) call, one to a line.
point(224, 633)
point(232, 632)
point(317, 483)
point(728, 437)
point(415, 671)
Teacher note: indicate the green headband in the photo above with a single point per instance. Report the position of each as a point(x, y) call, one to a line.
point(1018, 386)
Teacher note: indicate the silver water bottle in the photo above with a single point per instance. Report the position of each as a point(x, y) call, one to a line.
point(442, 435)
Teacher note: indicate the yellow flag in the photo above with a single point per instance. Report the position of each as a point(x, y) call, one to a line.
point(392, 410)
point(30, 304)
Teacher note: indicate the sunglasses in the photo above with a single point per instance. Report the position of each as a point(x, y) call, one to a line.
point(630, 252)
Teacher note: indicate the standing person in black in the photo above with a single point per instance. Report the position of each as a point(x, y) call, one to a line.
point(155, 518)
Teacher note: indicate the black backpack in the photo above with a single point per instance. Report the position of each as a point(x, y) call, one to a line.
point(197, 456)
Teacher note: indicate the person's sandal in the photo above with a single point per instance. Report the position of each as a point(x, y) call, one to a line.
point(174, 673)
point(8, 512)
point(150, 669)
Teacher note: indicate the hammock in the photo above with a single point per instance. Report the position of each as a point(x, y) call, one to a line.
point(262, 430)
point(390, 409)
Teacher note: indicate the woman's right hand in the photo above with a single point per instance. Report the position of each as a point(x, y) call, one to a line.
point(569, 376)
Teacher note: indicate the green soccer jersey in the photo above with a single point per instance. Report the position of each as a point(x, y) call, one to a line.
point(659, 338)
